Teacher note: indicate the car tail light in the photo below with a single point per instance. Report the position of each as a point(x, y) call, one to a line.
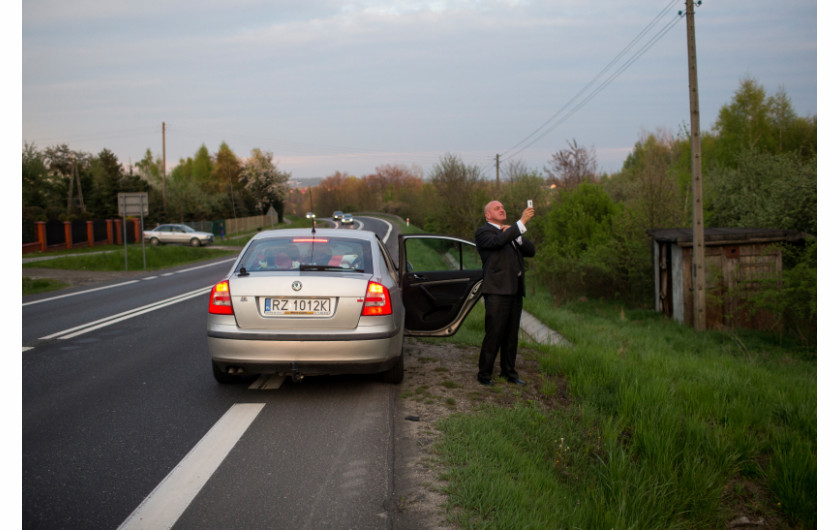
point(377, 300)
point(220, 299)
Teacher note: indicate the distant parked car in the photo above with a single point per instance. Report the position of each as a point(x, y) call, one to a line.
point(177, 234)
point(347, 219)
point(337, 215)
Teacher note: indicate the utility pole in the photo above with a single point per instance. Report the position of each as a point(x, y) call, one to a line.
point(498, 186)
point(698, 242)
point(163, 131)
point(79, 184)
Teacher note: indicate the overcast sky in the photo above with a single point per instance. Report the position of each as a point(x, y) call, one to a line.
point(351, 85)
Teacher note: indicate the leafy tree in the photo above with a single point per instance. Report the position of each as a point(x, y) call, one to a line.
point(201, 165)
point(263, 181)
point(107, 176)
point(149, 169)
point(754, 123)
point(460, 196)
point(225, 178)
point(765, 191)
point(190, 200)
point(651, 185)
point(579, 255)
point(37, 188)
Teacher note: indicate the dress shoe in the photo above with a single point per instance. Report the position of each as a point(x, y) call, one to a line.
point(515, 381)
point(485, 382)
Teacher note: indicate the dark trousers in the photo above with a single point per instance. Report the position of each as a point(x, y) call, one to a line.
point(501, 334)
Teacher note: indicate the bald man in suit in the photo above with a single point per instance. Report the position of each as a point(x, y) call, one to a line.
point(503, 249)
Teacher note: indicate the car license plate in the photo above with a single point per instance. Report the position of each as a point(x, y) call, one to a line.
point(294, 307)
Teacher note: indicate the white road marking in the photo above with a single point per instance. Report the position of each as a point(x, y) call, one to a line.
point(168, 501)
point(131, 313)
point(388, 233)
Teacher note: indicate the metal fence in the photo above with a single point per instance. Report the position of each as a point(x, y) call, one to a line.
point(56, 232)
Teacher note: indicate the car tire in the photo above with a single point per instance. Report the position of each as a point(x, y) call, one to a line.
point(223, 377)
point(154, 241)
point(395, 374)
point(194, 242)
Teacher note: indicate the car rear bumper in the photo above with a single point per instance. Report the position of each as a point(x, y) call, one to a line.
point(305, 354)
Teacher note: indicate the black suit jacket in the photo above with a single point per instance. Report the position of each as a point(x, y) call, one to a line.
point(502, 259)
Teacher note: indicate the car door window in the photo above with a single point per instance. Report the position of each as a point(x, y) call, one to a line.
point(430, 254)
point(440, 278)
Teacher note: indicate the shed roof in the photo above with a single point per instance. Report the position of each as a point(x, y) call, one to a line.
point(723, 236)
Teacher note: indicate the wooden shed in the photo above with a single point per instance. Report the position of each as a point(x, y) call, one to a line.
point(738, 262)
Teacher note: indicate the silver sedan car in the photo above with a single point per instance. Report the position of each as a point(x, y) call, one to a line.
point(177, 234)
point(302, 303)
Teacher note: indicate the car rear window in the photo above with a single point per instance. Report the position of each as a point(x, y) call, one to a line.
point(308, 253)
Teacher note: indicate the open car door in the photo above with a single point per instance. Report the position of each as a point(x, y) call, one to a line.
point(440, 279)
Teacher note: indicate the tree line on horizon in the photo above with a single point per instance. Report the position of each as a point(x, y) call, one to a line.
point(759, 171)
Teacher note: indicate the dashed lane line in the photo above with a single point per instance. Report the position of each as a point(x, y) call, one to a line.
point(131, 313)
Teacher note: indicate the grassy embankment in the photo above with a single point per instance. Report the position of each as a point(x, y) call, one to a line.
point(667, 428)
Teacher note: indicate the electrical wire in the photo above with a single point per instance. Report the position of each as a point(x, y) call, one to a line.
point(525, 143)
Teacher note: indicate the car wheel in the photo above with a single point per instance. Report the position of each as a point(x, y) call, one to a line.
point(223, 377)
point(395, 374)
point(154, 241)
point(195, 242)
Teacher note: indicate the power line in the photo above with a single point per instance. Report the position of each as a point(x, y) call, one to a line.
point(525, 143)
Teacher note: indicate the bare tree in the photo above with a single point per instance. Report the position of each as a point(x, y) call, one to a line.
point(571, 167)
point(515, 169)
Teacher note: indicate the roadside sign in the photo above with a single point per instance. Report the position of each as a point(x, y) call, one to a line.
point(133, 203)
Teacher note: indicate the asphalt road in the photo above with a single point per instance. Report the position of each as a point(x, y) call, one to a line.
point(123, 423)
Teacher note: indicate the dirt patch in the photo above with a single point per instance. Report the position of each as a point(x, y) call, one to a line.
point(440, 379)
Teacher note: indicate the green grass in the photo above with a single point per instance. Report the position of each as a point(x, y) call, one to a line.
point(41, 285)
point(670, 429)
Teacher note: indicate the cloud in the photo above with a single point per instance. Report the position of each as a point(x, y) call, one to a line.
point(390, 76)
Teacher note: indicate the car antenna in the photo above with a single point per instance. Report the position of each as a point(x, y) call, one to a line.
point(243, 272)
